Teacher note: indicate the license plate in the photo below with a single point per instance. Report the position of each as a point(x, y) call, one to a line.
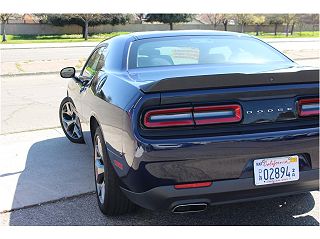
point(276, 170)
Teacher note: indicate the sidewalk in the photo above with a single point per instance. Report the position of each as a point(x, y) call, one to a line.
point(42, 166)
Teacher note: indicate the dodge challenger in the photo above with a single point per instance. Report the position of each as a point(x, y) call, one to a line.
point(181, 120)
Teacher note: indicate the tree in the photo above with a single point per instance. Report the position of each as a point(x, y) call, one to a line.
point(243, 20)
point(4, 18)
point(295, 20)
point(213, 19)
point(168, 18)
point(288, 19)
point(300, 26)
point(315, 21)
point(43, 18)
point(258, 20)
point(114, 19)
point(276, 20)
point(86, 20)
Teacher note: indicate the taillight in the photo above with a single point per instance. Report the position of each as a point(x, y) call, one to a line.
point(217, 114)
point(308, 107)
point(168, 117)
point(190, 116)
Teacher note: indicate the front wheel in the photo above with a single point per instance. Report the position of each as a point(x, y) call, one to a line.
point(70, 122)
point(111, 199)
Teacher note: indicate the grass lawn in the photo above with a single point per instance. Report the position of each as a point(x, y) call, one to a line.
point(20, 39)
point(308, 34)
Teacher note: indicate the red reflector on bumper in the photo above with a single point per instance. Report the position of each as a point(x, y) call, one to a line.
point(193, 185)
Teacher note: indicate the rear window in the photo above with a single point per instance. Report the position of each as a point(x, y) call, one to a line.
point(201, 50)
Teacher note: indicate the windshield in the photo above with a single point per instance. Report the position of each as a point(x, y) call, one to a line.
point(201, 50)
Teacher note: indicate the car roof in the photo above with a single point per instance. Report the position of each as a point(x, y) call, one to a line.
point(156, 34)
point(152, 34)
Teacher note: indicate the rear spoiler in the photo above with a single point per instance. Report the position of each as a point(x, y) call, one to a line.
point(231, 80)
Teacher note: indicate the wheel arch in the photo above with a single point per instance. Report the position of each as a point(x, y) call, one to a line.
point(94, 123)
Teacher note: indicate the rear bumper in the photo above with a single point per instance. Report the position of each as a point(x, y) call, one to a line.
point(156, 163)
point(222, 192)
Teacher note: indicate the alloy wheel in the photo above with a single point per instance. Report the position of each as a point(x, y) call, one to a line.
point(99, 169)
point(70, 121)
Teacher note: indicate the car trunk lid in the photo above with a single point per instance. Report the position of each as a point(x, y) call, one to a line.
point(166, 79)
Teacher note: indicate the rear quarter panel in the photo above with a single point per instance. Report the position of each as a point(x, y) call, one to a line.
point(109, 106)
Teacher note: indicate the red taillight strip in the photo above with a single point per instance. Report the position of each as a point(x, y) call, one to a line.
point(306, 102)
point(193, 185)
point(235, 109)
point(188, 116)
point(185, 113)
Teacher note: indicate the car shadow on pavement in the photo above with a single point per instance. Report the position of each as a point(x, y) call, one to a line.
point(57, 169)
point(83, 211)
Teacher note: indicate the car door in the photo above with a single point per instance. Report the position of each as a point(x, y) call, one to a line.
point(88, 72)
point(92, 73)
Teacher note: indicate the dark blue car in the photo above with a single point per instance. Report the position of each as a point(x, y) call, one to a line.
point(180, 120)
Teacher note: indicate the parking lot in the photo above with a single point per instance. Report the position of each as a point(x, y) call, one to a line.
point(46, 180)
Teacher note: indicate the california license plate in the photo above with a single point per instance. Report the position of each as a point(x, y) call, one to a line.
point(276, 170)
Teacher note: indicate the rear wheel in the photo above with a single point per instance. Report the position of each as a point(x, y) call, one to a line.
point(111, 200)
point(70, 122)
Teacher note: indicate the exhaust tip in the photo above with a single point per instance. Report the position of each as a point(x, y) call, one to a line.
point(187, 208)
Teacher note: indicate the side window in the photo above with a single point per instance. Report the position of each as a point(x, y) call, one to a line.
point(102, 60)
point(91, 67)
point(100, 66)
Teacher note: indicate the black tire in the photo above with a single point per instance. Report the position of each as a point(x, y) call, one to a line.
point(78, 139)
point(114, 202)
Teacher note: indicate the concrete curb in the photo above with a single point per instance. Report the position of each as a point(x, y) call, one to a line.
point(30, 74)
point(30, 130)
point(47, 202)
point(19, 48)
point(34, 73)
point(46, 45)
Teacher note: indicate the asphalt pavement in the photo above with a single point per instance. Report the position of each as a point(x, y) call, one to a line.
point(43, 54)
point(83, 210)
point(31, 102)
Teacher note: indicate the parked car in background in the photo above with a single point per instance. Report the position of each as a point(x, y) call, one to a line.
point(181, 120)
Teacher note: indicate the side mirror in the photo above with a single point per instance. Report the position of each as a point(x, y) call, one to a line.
point(68, 72)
